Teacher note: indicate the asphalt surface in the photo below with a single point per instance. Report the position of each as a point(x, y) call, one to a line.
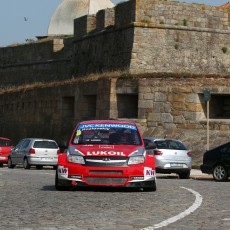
point(29, 201)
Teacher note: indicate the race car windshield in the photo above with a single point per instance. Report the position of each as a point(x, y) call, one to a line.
point(109, 134)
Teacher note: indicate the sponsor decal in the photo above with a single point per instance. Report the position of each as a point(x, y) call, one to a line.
point(62, 172)
point(105, 126)
point(105, 153)
point(106, 146)
point(148, 173)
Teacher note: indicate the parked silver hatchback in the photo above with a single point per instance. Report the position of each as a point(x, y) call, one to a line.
point(34, 152)
point(172, 156)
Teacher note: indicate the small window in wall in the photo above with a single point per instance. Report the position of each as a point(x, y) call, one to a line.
point(127, 105)
point(219, 106)
point(68, 107)
point(89, 107)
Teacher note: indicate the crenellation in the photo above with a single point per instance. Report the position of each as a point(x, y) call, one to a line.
point(84, 25)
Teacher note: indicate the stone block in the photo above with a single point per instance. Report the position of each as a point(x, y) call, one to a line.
point(178, 119)
point(166, 117)
point(144, 104)
point(154, 117)
point(194, 107)
point(159, 96)
point(158, 107)
point(169, 126)
point(178, 106)
point(175, 97)
point(192, 97)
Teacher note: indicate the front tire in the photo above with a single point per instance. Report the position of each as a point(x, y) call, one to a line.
point(57, 184)
point(10, 164)
point(153, 188)
point(26, 164)
point(220, 173)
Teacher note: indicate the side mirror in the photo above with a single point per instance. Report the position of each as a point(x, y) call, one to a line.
point(63, 145)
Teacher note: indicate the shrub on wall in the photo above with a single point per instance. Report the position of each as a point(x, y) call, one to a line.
point(224, 49)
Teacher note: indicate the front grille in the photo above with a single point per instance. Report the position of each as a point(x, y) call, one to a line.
point(96, 172)
point(105, 181)
point(106, 161)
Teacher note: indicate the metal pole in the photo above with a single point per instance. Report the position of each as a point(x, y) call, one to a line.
point(207, 125)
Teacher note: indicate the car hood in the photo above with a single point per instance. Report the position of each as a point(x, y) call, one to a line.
point(104, 150)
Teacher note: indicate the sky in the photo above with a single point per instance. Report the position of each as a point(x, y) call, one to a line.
point(25, 19)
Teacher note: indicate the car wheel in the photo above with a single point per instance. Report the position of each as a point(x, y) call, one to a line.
point(220, 173)
point(10, 164)
point(26, 164)
point(57, 184)
point(1, 165)
point(153, 188)
point(184, 175)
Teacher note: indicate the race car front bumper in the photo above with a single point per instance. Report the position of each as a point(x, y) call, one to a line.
point(134, 176)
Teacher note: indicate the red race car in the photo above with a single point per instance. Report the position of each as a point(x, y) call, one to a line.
point(5, 147)
point(106, 153)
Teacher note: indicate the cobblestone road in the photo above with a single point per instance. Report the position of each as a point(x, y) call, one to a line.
point(28, 200)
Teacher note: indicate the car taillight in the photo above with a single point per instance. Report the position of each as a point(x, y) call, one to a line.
point(157, 152)
point(32, 151)
point(189, 154)
point(58, 151)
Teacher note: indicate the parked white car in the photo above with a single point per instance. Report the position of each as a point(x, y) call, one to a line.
point(172, 156)
point(34, 152)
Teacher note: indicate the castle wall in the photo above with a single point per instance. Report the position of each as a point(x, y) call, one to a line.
point(36, 62)
point(163, 38)
point(137, 35)
point(154, 36)
point(181, 14)
point(165, 106)
point(179, 50)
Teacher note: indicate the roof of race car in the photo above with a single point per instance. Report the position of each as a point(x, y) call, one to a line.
point(107, 122)
point(4, 138)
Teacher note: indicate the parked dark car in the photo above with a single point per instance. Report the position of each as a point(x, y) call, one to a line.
point(217, 162)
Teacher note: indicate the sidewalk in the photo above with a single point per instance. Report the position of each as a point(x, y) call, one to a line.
point(198, 175)
point(195, 174)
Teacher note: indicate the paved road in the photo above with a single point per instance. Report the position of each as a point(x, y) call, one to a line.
point(28, 200)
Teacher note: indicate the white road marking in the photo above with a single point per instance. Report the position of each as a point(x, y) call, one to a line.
point(226, 219)
point(181, 215)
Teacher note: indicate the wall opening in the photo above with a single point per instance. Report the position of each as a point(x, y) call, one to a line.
point(219, 106)
point(68, 107)
point(127, 105)
point(90, 107)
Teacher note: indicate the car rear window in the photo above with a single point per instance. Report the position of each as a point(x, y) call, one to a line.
point(5, 143)
point(45, 144)
point(170, 144)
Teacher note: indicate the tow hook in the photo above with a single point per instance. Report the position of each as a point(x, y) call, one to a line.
point(73, 183)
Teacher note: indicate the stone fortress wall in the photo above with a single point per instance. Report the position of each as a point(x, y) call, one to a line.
point(138, 36)
point(154, 36)
point(169, 52)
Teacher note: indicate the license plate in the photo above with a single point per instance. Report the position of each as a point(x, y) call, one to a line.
point(176, 165)
point(47, 158)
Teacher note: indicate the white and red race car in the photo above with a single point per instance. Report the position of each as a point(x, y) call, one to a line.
point(106, 153)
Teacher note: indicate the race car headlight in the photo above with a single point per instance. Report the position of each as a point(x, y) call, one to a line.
point(137, 157)
point(76, 159)
point(75, 156)
point(136, 160)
